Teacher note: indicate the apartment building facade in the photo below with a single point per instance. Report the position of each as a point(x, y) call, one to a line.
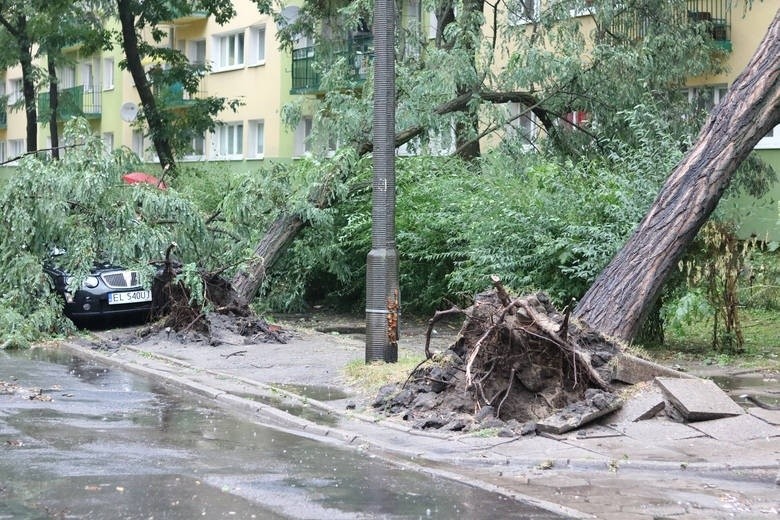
point(247, 64)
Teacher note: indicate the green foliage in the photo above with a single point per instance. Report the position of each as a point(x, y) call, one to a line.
point(690, 308)
point(761, 287)
point(81, 205)
point(539, 222)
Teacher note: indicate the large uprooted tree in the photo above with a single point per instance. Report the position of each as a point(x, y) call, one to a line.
point(623, 293)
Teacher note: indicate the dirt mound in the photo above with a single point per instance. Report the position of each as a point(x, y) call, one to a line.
point(515, 362)
point(217, 328)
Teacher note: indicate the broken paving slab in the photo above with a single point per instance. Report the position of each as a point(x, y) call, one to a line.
point(596, 404)
point(658, 430)
point(639, 406)
point(741, 428)
point(632, 370)
point(698, 399)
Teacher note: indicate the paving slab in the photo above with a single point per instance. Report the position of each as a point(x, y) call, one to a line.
point(641, 406)
point(658, 430)
point(626, 450)
point(740, 428)
point(698, 399)
point(580, 413)
point(541, 448)
point(769, 416)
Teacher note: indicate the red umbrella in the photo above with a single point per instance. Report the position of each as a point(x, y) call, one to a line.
point(145, 178)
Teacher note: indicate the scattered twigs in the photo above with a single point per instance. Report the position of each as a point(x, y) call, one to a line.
point(236, 353)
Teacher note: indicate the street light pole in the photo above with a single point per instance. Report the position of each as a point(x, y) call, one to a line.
point(382, 291)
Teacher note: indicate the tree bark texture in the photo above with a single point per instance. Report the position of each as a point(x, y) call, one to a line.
point(54, 104)
point(623, 293)
point(277, 237)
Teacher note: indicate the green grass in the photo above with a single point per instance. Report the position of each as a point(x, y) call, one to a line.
point(761, 331)
point(371, 377)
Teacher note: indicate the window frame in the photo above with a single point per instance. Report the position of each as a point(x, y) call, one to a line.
point(226, 144)
point(303, 131)
point(108, 73)
point(256, 139)
point(222, 58)
point(257, 45)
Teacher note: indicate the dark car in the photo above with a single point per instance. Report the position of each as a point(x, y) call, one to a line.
point(108, 291)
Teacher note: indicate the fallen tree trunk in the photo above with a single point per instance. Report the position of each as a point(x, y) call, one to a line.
point(624, 292)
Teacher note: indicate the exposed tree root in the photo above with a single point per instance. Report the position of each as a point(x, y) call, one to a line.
point(178, 311)
point(515, 360)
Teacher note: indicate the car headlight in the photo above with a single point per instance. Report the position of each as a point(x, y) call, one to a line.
point(91, 281)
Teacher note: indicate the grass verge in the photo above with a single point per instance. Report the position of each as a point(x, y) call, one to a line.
point(761, 332)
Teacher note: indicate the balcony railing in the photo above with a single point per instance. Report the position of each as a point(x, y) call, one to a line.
point(306, 62)
point(714, 16)
point(81, 101)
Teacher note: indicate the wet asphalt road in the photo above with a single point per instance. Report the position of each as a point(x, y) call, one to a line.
point(109, 445)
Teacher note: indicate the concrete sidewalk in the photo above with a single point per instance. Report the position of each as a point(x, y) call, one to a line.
point(643, 470)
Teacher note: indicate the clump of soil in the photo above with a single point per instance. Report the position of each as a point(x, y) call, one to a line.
point(219, 318)
point(515, 362)
point(217, 328)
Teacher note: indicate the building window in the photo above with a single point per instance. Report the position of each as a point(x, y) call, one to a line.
point(522, 11)
point(303, 137)
point(257, 45)
point(433, 24)
point(707, 98)
point(575, 119)
point(3, 155)
point(17, 91)
point(66, 77)
point(87, 77)
point(108, 141)
point(521, 123)
point(16, 148)
point(138, 143)
point(197, 149)
point(770, 140)
point(230, 141)
point(257, 139)
point(197, 52)
point(229, 50)
point(108, 73)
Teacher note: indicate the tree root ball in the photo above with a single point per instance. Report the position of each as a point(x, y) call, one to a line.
point(515, 362)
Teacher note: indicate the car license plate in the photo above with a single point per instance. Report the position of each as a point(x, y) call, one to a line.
point(119, 298)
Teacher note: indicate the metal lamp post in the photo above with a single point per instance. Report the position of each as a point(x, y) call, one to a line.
point(382, 292)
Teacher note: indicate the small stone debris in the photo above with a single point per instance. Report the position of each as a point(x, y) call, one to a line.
point(698, 399)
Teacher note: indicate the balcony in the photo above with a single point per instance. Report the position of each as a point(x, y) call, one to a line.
point(306, 61)
point(714, 16)
point(185, 16)
point(175, 96)
point(81, 101)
